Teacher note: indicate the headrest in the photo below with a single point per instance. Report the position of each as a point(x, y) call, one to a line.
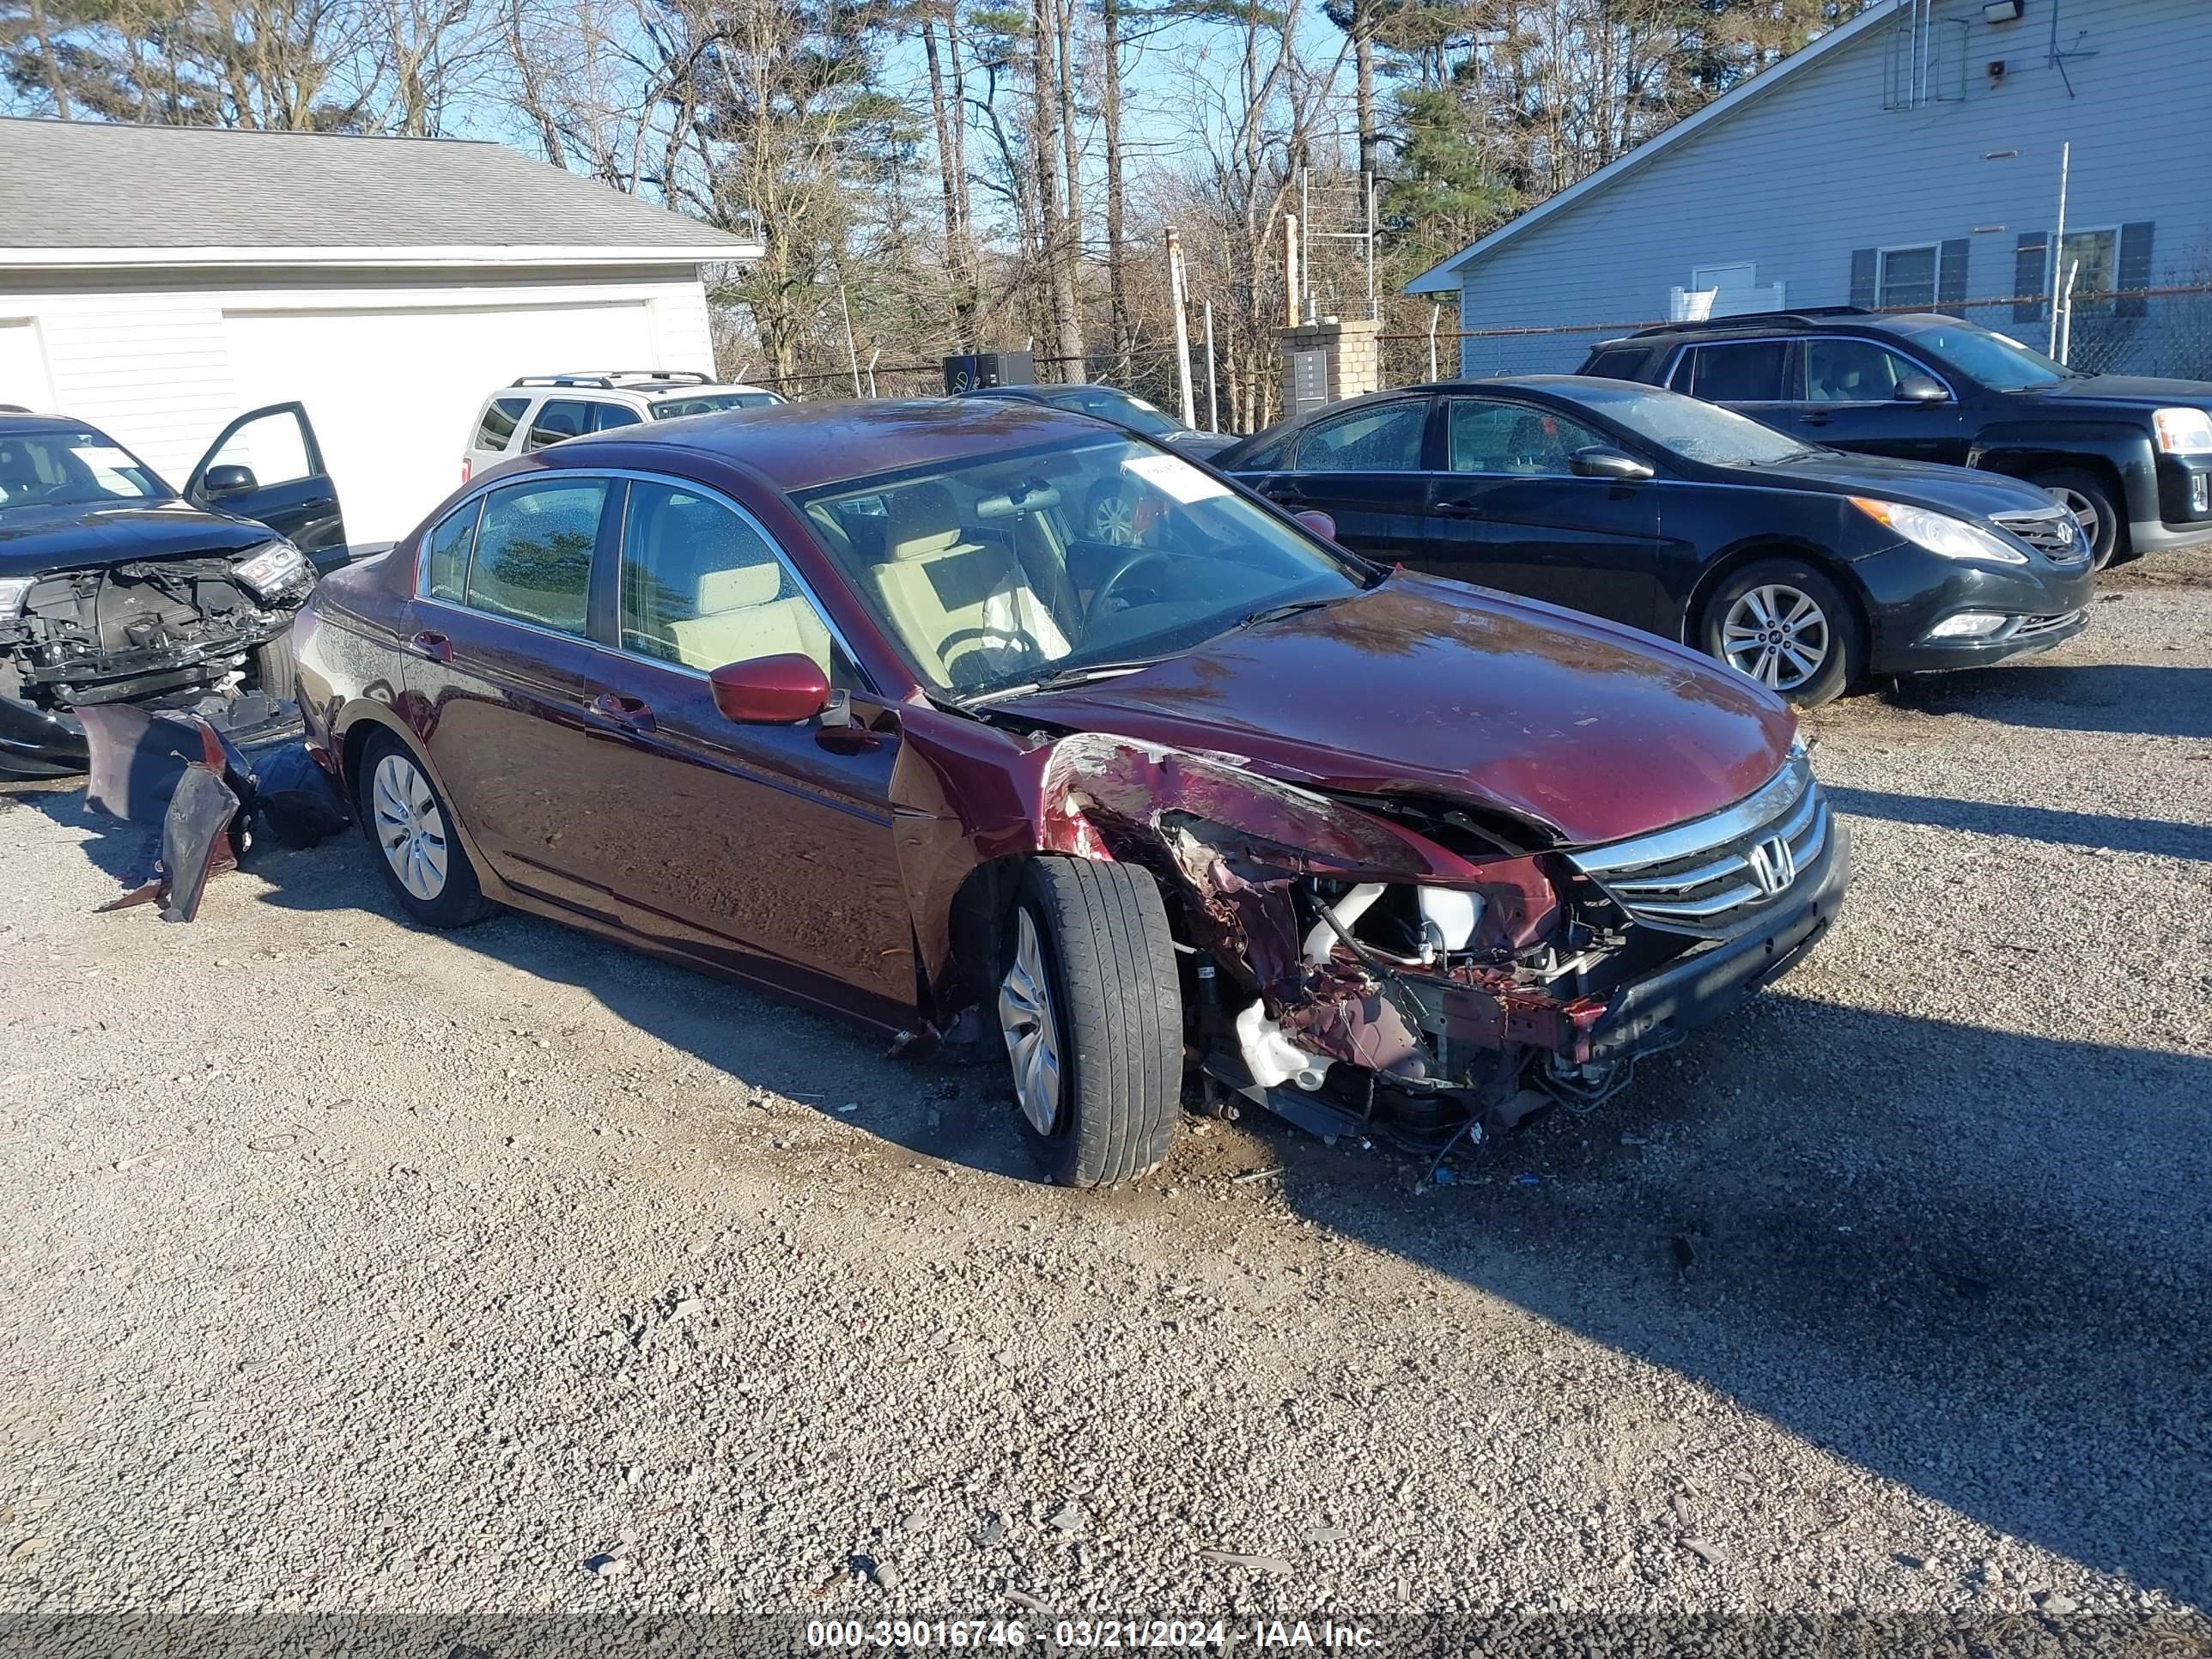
point(923, 522)
point(735, 590)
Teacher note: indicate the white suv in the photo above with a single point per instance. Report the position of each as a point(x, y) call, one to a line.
point(539, 409)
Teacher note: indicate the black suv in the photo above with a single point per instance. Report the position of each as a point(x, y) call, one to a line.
point(2131, 456)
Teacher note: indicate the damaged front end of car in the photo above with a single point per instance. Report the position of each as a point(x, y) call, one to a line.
point(1429, 970)
point(191, 633)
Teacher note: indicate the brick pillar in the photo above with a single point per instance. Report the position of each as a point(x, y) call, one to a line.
point(1325, 362)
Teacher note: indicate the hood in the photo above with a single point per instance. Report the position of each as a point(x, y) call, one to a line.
point(2134, 391)
point(1959, 490)
point(1418, 687)
point(35, 539)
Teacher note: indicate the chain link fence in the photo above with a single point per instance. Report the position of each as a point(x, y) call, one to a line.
point(2155, 330)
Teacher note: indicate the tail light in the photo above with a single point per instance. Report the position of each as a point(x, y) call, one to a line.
point(465, 465)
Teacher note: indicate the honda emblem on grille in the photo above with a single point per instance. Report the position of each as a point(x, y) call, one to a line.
point(1773, 866)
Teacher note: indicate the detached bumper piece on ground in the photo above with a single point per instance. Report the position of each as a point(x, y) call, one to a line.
point(199, 799)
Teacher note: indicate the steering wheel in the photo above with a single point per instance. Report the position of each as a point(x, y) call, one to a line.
point(1140, 557)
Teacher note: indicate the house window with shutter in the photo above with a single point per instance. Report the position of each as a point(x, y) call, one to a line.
point(2112, 267)
point(1906, 277)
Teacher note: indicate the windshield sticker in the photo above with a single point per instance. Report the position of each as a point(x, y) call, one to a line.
point(1175, 477)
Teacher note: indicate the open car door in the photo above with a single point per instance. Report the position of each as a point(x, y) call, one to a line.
point(267, 466)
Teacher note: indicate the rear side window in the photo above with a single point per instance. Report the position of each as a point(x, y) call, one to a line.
point(499, 422)
point(533, 559)
point(562, 418)
point(1748, 372)
point(1387, 439)
point(606, 416)
point(1618, 363)
point(446, 562)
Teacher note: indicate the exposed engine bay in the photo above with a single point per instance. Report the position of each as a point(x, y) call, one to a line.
point(169, 631)
point(1420, 969)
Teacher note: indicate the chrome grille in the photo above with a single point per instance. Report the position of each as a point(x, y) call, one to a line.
point(1716, 874)
point(2053, 531)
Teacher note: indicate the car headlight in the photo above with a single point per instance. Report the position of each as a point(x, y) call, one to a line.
point(13, 590)
point(2183, 431)
point(271, 568)
point(1939, 532)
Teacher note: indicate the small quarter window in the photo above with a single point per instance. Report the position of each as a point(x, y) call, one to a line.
point(446, 560)
point(500, 420)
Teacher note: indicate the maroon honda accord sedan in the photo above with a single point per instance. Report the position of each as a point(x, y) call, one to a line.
point(842, 701)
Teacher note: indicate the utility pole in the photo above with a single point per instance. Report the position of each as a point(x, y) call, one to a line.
point(852, 351)
point(1293, 314)
point(2058, 243)
point(1176, 302)
point(1213, 396)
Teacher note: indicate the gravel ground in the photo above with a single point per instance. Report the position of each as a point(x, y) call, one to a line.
point(352, 1268)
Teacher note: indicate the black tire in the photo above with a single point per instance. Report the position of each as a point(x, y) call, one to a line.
point(1843, 657)
point(2091, 497)
point(1109, 966)
point(459, 901)
point(276, 668)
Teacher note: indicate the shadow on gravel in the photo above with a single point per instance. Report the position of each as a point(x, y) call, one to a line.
point(1968, 1261)
point(2147, 702)
point(2091, 830)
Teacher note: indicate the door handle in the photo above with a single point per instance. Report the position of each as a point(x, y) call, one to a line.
point(1455, 509)
point(624, 710)
point(1285, 497)
point(1816, 418)
point(432, 645)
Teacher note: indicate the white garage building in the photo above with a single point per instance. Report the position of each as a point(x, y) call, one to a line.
point(157, 282)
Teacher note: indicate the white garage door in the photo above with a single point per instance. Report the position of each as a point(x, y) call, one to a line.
point(392, 393)
point(23, 376)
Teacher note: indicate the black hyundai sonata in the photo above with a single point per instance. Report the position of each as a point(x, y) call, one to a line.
point(1806, 568)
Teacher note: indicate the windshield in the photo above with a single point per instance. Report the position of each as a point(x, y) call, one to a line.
point(1122, 408)
point(990, 573)
point(71, 466)
point(1696, 431)
point(711, 402)
point(1998, 360)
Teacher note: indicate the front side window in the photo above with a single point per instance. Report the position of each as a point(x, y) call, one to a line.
point(981, 572)
point(446, 561)
point(1488, 436)
point(1384, 438)
point(700, 586)
point(533, 555)
point(70, 466)
point(1746, 372)
point(1846, 371)
point(500, 419)
point(1907, 277)
point(560, 417)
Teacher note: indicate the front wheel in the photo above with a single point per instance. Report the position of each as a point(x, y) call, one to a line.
point(1786, 625)
point(1092, 1012)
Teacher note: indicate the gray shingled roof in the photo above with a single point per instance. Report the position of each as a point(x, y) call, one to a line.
point(88, 184)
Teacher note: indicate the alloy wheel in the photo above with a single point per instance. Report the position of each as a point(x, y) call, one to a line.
point(408, 827)
point(1114, 519)
point(1026, 1015)
point(1778, 635)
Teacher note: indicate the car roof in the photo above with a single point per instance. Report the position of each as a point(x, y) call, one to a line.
point(553, 384)
point(1809, 320)
point(801, 446)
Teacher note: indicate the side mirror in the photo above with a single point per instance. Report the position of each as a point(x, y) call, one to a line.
point(229, 481)
point(1920, 389)
point(1598, 461)
point(1317, 521)
point(780, 691)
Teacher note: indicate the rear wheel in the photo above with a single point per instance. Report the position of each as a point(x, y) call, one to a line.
point(1788, 626)
point(2091, 499)
point(1092, 1017)
point(407, 822)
